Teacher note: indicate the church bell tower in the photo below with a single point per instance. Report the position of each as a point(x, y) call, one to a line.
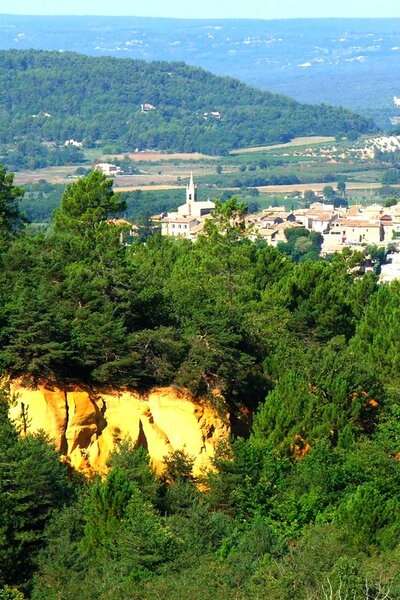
point(191, 193)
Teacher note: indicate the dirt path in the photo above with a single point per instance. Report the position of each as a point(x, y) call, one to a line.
point(148, 188)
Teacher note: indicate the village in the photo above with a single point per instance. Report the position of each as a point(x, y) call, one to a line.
point(354, 227)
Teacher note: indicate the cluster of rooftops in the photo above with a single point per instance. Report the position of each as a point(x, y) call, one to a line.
point(339, 227)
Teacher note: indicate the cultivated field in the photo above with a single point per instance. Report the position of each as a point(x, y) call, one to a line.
point(300, 141)
point(316, 187)
point(50, 174)
point(160, 156)
point(246, 168)
point(265, 189)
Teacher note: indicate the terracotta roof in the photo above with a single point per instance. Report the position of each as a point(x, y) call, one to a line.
point(354, 210)
point(197, 228)
point(279, 227)
point(355, 224)
point(267, 233)
point(320, 216)
point(179, 219)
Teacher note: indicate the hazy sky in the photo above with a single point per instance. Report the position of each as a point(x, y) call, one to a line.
point(264, 9)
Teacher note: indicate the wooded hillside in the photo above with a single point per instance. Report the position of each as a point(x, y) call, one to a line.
point(54, 96)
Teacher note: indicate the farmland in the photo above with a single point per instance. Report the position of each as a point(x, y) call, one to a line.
point(279, 174)
point(299, 141)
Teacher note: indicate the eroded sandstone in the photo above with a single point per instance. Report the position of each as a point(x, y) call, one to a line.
point(85, 425)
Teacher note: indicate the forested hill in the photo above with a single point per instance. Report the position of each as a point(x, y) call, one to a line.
point(54, 96)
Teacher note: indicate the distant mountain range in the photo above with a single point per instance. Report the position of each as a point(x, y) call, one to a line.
point(354, 63)
point(54, 97)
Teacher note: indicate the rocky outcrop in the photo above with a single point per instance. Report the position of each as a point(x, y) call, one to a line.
point(85, 425)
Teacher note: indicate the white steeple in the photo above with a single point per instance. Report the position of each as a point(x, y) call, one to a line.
point(191, 193)
point(193, 209)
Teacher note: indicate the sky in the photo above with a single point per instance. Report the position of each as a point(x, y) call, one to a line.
point(262, 9)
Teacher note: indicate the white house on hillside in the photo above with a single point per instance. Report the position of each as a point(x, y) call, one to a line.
point(73, 143)
point(108, 169)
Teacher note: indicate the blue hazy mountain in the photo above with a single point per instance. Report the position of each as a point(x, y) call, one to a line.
point(355, 63)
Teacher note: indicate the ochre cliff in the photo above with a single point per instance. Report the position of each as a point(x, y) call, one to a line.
point(86, 425)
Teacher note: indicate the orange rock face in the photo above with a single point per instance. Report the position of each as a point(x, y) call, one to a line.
point(86, 425)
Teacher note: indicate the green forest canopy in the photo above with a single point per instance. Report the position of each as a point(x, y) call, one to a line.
point(54, 96)
point(305, 506)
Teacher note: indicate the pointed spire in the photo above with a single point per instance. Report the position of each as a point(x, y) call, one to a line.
point(191, 192)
